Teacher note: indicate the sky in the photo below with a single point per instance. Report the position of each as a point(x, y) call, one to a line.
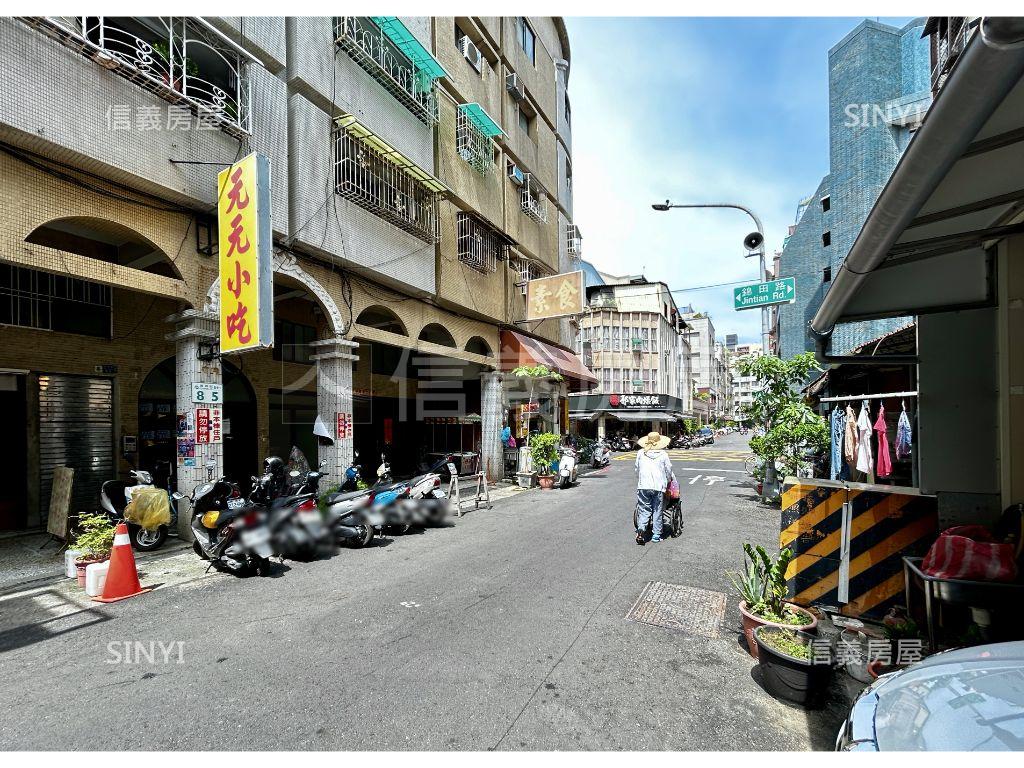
point(696, 110)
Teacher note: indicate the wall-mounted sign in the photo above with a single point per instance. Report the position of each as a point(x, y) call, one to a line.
point(208, 425)
point(637, 401)
point(208, 394)
point(344, 430)
point(108, 369)
point(782, 291)
point(246, 269)
point(555, 296)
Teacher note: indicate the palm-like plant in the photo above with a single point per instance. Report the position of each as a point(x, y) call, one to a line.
point(762, 585)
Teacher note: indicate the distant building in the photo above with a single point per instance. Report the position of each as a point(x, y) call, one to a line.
point(879, 91)
point(712, 381)
point(744, 387)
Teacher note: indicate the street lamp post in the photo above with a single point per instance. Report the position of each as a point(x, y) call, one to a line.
point(754, 243)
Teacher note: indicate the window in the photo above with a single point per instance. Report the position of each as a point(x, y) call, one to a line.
point(292, 342)
point(826, 275)
point(459, 34)
point(826, 203)
point(826, 239)
point(568, 112)
point(616, 343)
point(568, 175)
point(527, 39)
point(525, 121)
point(33, 299)
point(479, 246)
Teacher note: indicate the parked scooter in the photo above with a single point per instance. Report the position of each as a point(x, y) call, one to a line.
point(620, 443)
point(114, 498)
point(600, 456)
point(228, 532)
point(566, 467)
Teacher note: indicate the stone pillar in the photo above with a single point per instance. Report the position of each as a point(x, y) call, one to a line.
point(334, 358)
point(492, 456)
point(601, 427)
point(196, 333)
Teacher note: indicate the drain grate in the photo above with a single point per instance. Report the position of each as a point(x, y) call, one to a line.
point(687, 609)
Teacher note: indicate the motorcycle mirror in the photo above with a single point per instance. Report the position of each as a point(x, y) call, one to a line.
point(211, 464)
point(177, 496)
point(323, 463)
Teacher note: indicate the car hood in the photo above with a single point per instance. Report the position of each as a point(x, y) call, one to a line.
point(970, 699)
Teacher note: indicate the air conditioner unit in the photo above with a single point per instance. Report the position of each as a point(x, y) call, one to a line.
point(513, 87)
point(516, 174)
point(471, 52)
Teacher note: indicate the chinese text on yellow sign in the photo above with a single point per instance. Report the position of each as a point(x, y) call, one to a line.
point(555, 296)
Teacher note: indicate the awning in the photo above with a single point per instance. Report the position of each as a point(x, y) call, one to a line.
point(956, 191)
point(478, 116)
point(406, 42)
point(518, 349)
point(352, 126)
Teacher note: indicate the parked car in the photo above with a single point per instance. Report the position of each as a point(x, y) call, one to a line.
point(970, 699)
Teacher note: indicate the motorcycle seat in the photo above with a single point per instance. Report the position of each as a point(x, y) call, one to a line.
point(334, 498)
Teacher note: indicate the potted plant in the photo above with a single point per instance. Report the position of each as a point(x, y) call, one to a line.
point(791, 666)
point(544, 452)
point(763, 589)
point(94, 539)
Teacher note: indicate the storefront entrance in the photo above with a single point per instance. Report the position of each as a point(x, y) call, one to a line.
point(13, 452)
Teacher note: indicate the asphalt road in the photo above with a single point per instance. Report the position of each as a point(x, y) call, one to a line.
point(505, 630)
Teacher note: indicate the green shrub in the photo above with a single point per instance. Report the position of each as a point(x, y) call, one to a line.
point(786, 641)
point(94, 537)
point(544, 452)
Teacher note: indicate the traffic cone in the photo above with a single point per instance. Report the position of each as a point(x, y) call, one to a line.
point(122, 577)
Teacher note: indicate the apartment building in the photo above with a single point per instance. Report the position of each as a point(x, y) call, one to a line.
point(632, 338)
point(413, 185)
point(712, 380)
point(878, 97)
point(743, 387)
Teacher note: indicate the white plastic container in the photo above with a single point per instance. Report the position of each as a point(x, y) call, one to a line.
point(95, 578)
point(69, 563)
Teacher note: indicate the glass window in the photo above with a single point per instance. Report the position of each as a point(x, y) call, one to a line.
point(527, 39)
point(644, 335)
point(524, 121)
point(615, 338)
point(292, 342)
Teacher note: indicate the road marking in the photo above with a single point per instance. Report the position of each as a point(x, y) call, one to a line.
point(695, 469)
point(409, 604)
point(695, 480)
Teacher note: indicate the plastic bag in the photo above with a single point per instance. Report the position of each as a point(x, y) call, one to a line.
point(968, 552)
point(673, 489)
point(149, 508)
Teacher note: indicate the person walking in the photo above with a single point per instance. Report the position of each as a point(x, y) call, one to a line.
point(654, 473)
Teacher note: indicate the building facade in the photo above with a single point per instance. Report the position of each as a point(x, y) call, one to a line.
point(414, 184)
point(712, 379)
point(632, 338)
point(878, 96)
point(744, 387)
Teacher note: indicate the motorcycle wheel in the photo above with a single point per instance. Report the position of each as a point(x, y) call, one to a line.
point(363, 540)
point(198, 549)
point(399, 529)
point(146, 541)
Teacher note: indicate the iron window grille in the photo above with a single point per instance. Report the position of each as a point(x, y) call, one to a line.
point(534, 200)
point(30, 298)
point(371, 49)
point(525, 268)
point(372, 181)
point(182, 60)
point(574, 241)
point(473, 145)
point(479, 246)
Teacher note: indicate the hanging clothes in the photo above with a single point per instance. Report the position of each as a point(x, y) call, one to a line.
point(884, 468)
point(864, 441)
point(850, 444)
point(838, 434)
point(904, 436)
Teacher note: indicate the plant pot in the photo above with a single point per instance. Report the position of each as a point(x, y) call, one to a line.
point(81, 565)
point(799, 681)
point(751, 622)
point(547, 482)
point(526, 479)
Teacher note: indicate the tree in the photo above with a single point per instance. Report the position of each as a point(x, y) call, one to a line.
point(791, 427)
point(533, 373)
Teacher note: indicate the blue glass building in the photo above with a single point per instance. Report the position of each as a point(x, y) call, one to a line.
point(878, 94)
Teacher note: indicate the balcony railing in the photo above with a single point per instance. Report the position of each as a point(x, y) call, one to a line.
point(379, 55)
point(948, 49)
point(574, 241)
point(479, 246)
point(182, 60)
point(533, 199)
point(472, 145)
point(378, 178)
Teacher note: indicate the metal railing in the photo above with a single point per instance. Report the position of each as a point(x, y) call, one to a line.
point(948, 48)
point(177, 58)
point(574, 241)
point(479, 246)
point(533, 200)
point(372, 181)
point(472, 145)
point(371, 49)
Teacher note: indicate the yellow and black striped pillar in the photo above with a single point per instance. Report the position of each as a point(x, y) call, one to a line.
point(883, 523)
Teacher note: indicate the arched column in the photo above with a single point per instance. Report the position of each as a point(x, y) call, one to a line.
point(492, 408)
point(334, 358)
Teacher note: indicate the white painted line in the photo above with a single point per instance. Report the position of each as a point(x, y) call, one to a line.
point(694, 469)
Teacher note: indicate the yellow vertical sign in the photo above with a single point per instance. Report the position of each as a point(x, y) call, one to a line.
point(244, 244)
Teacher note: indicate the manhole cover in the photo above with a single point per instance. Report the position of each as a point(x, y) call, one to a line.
point(688, 609)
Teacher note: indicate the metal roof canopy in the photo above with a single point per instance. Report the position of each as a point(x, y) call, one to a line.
point(478, 116)
point(369, 138)
point(956, 191)
point(407, 43)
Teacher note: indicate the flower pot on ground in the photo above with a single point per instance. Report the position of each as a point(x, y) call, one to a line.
point(547, 482)
point(790, 667)
point(763, 589)
point(526, 479)
point(81, 564)
point(94, 538)
point(544, 453)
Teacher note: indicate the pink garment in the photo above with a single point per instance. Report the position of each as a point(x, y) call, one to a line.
point(884, 468)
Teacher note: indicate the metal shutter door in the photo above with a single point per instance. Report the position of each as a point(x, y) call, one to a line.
point(76, 429)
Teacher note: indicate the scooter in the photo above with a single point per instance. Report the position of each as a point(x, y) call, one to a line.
point(600, 457)
point(114, 498)
point(227, 531)
point(566, 467)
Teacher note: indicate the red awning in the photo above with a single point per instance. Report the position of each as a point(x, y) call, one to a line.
point(518, 349)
